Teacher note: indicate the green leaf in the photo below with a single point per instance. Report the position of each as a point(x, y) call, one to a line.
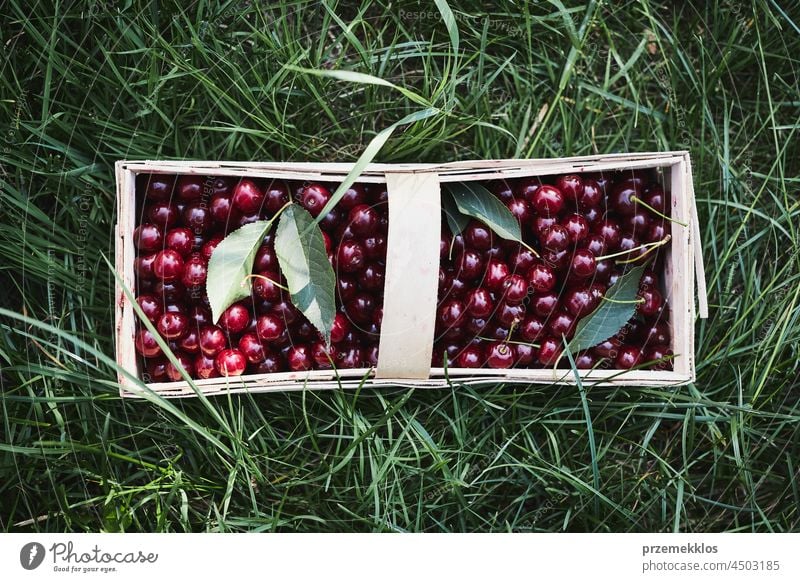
point(230, 265)
point(449, 23)
point(611, 316)
point(474, 200)
point(455, 220)
point(304, 262)
point(369, 154)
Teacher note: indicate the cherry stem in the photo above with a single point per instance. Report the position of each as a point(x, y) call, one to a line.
point(531, 249)
point(265, 279)
point(653, 210)
point(649, 246)
point(508, 341)
point(639, 300)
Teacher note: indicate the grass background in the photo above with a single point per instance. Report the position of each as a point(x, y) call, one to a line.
point(85, 83)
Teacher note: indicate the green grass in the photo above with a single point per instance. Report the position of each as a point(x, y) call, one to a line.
point(82, 86)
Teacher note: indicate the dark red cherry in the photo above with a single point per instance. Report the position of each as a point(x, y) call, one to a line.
point(190, 188)
point(470, 357)
point(204, 367)
point(363, 220)
point(371, 278)
point(151, 306)
point(656, 334)
point(185, 363)
point(470, 265)
point(190, 342)
point(350, 356)
point(591, 196)
point(269, 327)
point(479, 302)
point(235, 318)
point(524, 355)
point(374, 246)
point(299, 358)
point(655, 198)
point(360, 308)
point(323, 356)
point(159, 187)
point(652, 302)
point(314, 198)
point(610, 231)
point(541, 278)
point(163, 214)
point(515, 289)
point(168, 265)
point(621, 197)
point(576, 226)
point(527, 188)
point(223, 186)
point(585, 361)
point(350, 257)
point(659, 352)
point(266, 259)
point(558, 261)
point(353, 196)
point(571, 186)
point(562, 323)
point(265, 286)
point(531, 328)
point(212, 340)
point(583, 263)
point(521, 260)
point(146, 345)
point(520, 209)
point(180, 240)
point(452, 313)
point(478, 236)
point(548, 200)
point(541, 224)
point(496, 274)
point(148, 238)
point(169, 291)
point(628, 357)
point(556, 238)
point(331, 221)
point(173, 325)
point(508, 314)
point(276, 196)
point(197, 217)
point(208, 247)
point(595, 244)
point(544, 304)
point(143, 265)
point(656, 232)
point(231, 362)
point(579, 301)
point(272, 363)
point(346, 287)
point(248, 197)
point(549, 351)
point(499, 355)
point(222, 211)
point(156, 371)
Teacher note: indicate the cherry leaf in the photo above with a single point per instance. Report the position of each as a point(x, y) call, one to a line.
point(304, 262)
point(476, 201)
point(612, 314)
point(230, 265)
point(455, 220)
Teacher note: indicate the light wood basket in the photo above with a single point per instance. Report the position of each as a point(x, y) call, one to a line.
point(412, 273)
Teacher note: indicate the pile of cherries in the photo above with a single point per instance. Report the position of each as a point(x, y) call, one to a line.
point(502, 306)
point(184, 218)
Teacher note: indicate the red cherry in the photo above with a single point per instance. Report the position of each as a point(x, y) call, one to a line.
point(470, 265)
point(147, 237)
point(470, 357)
point(655, 198)
point(266, 259)
point(159, 186)
point(544, 304)
point(276, 196)
point(496, 274)
point(579, 301)
point(173, 325)
point(231, 362)
point(349, 357)
point(499, 355)
point(190, 187)
point(180, 240)
point(556, 238)
point(270, 327)
point(197, 217)
point(360, 308)
point(350, 256)
point(163, 214)
point(562, 323)
point(212, 340)
point(592, 194)
point(583, 263)
point(346, 288)
point(515, 289)
point(541, 224)
point(595, 244)
point(340, 328)
point(248, 197)
point(169, 291)
point(299, 358)
point(208, 247)
point(372, 277)
point(146, 345)
point(235, 318)
point(659, 352)
point(375, 247)
point(610, 231)
point(151, 307)
point(548, 200)
point(607, 349)
point(524, 354)
point(252, 348)
point(168, 265)
point(272, 363)
point(527, 189)
point(549, 351)
point(656, 232)
point(541, 278)
point(314, 198)
point(353, 196)
point(185, 362)
point(652, 302)
point(156, 371)
point(479, 302)
point(585, 361)
point(195, 271)
point(577, 227)
point(478, 236)
point(143, 265)
point(190, 342)
point(571, 186)
point(451, 313)
point(620, 198)
point(363, 220)
point(264, 286)
point(204, 367)
point(531, 329)
point(521, 260)
point(223, 185)
point(509, 315)
point(222, 211)
point(520, 209)
point(628, 357)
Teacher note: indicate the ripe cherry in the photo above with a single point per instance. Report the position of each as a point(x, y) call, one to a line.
point(371, 278)
point(452, 313)
point(151, 306)
point(197, 217)
point(620, 198)
point(515, 289)
point(235, 318)
point(143, 265)
point(173, 325)
point(299, 358)
point(323, 356)
point(610, 231)
point(346, 288)
point(353, 196)
point(159, 187)
point(363, 220)
point(190, 187)
point(548, 200)
point(470, 264)
point(544, 304)
point(266, 259)
point(180, 240)
point(499, 355)
point(269, 327)
point(531, 328)
point(591, 195)
point(583, 263)
point(265, 287)
point(248, 197)
point(585, 361)
point(478, 236)
point(156, 371)
point(185, 362)
point(508, 314)
point(168, 265)
point(146, 345)
point(520, 209)
point(556, 238)
point(350, 356)
point(496, 274)
point(350, 257)
point(628, 357)
point(190, 342)
point(374, 246)
point(276, 196)
point(579, 301)
point(470, 357)
point(212, 340)
point(222, 211)
point(479, 302)
point(576, 226)
point(204, 367)
point(541, 278)
point(163, 214)
point(524, 355)
point(549, 351)
point(314, 198)
point(571, 186)
point(562, 323)
point(360, 308)
point(147, 238)
point(521, 260)
point(652, 302)
point(231, 362)
point(208, 247)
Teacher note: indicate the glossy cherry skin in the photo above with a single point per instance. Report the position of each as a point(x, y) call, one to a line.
point(556, 238)
point(656, 232)
point(595, 244)
point(360, 308)
point(585, 361)
point(353, 196)
point(571, 186)
point(169, 291)
point(520, 209)
point(173, 325)
point(579, 301)
point(235, 318)
point(548, 200)
point(151, 306)
point(508, 314)
point(190, 342)
point(527, 188)
point(199, 316)
point(159, 187)
point(576, 226)
point(591, 196)
point(180, 240)
point(248, 197)
point(363, 220)
point(478, 236)
point(346, 287)
point(521, 260)
point(212, 340)
point(562, 323)
point(190, 188)
point(168, 265)
point(544, 304)
point(470, 357)
point(496, 274)
point(549, 351)
point(479, 302)
point(541, 278)
point(185, 362)
point(222, 211)
point(265, 286)
point(621, 197)
point(266, 259)
point(204, 367)
point(451, 313)
point(350, 257)
point(499, 355)
point(163, 214)
point(350, 356)
point(583, 263)
point(143, 265)
point(314, 198)
point(657, 333)
point(148, 238)
point(655, 198)
point(652, 302)
point(208, 247)
point(156, 371)
point(541, 224)
point(371, 278)
point(299, 358)
point(231, 362)
point(628, 357)
point(610, 231)
point(269, 327)
point(531, 328)
point(659, 352)
point(524, 355)
point(470, 264)
point(197, 217)
point(374, 246)
point(276, 196)
point(515, 289)
point(146, 345)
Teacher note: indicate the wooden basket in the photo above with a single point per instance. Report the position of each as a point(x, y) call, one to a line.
point(412, 265)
